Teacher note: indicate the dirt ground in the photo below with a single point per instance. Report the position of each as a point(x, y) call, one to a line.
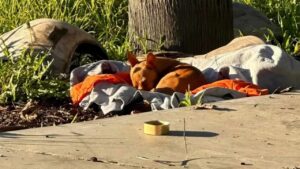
point(32, 114)
point(52, 112)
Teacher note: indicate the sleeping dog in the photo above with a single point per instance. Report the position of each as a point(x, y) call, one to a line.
point(164, 75)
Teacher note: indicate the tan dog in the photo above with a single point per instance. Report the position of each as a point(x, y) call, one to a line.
point(164, 74)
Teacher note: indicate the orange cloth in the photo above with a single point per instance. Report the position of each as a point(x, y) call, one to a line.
point(82, 89)
point(238, 85)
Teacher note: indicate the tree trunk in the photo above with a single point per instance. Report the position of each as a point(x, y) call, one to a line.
point(189, 26)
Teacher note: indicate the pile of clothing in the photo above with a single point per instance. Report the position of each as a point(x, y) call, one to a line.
point(254, 70)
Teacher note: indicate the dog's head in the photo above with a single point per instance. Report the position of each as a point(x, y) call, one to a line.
point(143, 74)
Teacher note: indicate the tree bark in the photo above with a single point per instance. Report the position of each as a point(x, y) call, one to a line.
point(189, 26)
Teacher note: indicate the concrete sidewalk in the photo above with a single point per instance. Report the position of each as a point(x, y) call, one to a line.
point(257, 132)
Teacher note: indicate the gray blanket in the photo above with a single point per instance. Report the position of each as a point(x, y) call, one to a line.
point(114, 97)
point(265, 65)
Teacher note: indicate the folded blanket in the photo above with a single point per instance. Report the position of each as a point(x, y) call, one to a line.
point(113, 98)
point(96, 68)
point(241, 86)
point(258, 68)
point(267, 66)
point(113, 92)
point(82, 89)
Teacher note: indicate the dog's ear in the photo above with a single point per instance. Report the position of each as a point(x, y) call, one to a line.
point(150, 60)
point(132, 59)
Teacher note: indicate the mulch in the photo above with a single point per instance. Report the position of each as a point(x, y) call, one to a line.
point(53, 112)
point(32, 114)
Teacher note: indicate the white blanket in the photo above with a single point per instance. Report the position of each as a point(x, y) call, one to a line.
point(265, 65)
point(114, 97)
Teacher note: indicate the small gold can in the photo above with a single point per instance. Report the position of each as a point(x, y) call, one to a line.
point(156, 127)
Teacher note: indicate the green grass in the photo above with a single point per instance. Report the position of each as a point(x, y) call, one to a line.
point(107, 21)
point(28, 79)
point(285, 14)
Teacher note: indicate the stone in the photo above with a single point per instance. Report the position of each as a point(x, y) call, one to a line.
point(63, 41)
